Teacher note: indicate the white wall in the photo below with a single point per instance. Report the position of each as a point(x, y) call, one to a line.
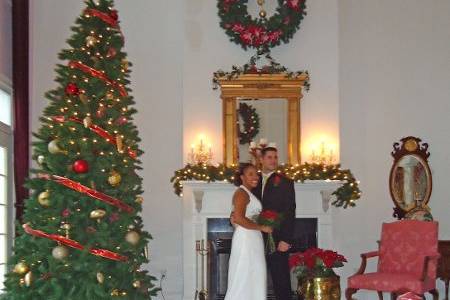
point(153, 42)
point(6, 41)
point(207, 49)
point(394, 66)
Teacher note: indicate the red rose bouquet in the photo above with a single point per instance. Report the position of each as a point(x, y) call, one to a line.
point(272, 219)
point(315, 262)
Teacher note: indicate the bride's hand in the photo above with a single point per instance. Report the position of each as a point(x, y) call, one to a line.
point(266, 229)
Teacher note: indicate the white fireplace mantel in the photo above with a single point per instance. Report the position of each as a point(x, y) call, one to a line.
point(203, 200)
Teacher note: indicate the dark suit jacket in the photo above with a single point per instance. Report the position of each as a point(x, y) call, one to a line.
point(279, 196)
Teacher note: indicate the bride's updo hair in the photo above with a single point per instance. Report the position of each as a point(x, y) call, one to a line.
point(242, 168)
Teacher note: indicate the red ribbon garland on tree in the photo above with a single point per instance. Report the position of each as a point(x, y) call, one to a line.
point(76, 186)
point(98, 74)
point(74, 244)
point(98, 130)
point(109, 19)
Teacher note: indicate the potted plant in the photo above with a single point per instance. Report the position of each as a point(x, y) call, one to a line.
point(316, 277)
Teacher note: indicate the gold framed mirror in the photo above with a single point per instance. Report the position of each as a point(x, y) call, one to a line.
point(410, 180)
point(266, 88)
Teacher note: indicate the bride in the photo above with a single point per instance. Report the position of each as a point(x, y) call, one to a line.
point(247, 277)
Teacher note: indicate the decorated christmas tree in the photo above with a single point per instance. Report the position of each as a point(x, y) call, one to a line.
point(81, 236)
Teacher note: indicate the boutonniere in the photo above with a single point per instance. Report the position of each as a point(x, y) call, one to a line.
point(276, 180)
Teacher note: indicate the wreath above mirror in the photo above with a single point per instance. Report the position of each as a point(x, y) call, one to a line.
point(262, 32)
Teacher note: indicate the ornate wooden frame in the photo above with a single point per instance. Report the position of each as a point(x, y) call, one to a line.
point(410, 146)
point(265, 86)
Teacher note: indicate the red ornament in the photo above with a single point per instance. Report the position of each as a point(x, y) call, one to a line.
point(100, 112)
point(72, 89)
point(65, 213)
point(111, 52)
point(80, 166)
point(121, 120)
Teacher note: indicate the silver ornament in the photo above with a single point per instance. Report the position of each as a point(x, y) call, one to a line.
point(60, 252)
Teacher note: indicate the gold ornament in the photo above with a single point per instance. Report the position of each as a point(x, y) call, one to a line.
point(60, 252)
point(114, 178)
point(97, 214)
point(100, 277)
point(20, 268)
point(91, 41)
point(119, 143)
point(262, 13)
point(43, 199)
point(115, 292)
point(40, 159)
point(137, 284)
point(132, 237)
point(109, 96)
point(21, 282)
point(83, 98)
point(28, 278)
point(53, 147)
point(125, 64)
point(260, 2)
point(139, 199)
point(87, 122)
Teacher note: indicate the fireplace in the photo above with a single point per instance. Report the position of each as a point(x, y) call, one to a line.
point(219, 235)
point(206, 209)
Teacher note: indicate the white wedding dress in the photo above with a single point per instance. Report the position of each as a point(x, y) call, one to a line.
point(247, 273)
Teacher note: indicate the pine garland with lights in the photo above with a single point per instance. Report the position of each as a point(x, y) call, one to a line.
point(346, 195)
point(251, 67)
point(82, 237)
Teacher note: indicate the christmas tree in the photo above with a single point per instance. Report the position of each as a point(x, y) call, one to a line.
point(81, 237)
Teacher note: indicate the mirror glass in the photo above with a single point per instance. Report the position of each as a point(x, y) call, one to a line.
point(410, 182)
point(273, 127)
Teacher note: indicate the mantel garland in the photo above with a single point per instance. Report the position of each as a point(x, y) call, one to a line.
point(346, 195)
point(251, 68)
point(260, 33)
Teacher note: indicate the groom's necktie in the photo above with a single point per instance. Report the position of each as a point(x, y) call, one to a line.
point(265, 177)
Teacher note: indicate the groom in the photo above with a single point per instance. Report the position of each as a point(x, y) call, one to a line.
point(276, 192)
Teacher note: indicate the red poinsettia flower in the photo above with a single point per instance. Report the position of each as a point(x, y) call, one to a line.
point(294, 4)
point(316, 262)
point(274, 36)
point(295, 260)
point(237, 27)
point(246, 37)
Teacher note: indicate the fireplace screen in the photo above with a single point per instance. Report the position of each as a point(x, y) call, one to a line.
point(220, 233)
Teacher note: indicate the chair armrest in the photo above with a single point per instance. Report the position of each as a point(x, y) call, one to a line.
point(370, 254)
point(364, 257)
point(427, 260)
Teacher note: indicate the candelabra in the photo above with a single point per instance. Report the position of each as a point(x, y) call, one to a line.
point(323, 157)
point(200, 154)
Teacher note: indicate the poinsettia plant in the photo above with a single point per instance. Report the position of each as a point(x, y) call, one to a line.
point(315, 262)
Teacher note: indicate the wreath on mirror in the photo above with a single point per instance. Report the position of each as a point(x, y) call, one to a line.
point(262, 32)
point(250, 119)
